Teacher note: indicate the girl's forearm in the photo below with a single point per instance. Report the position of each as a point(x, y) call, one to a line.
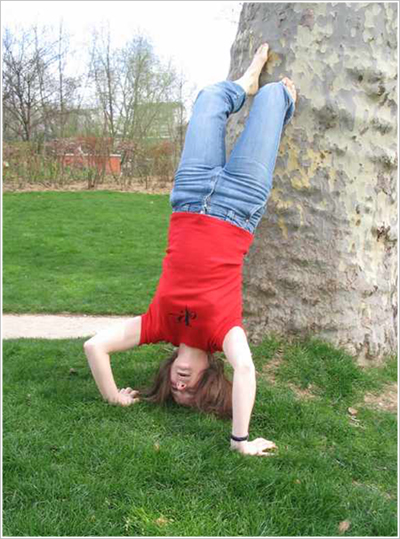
point(243, 396)
point(100, 366)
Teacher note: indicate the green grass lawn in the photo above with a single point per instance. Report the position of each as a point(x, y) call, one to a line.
point(75, 466)
point(82, 252)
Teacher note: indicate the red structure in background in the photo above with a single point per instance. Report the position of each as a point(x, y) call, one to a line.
point(111, 163)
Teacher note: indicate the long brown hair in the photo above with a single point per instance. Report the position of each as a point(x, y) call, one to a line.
point(213, 390)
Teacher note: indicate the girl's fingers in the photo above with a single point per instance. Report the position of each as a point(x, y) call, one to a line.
point(271, 445)
point(128, 401)
point(131, 401)
point(129, 391)
point(265, 445)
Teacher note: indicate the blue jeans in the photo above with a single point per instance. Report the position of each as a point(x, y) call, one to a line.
point(235, 191)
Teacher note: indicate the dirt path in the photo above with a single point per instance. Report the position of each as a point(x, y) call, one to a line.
point(55, 326)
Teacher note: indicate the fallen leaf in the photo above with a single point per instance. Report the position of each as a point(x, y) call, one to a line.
point(344, 526)
point(352, 411)
point(156, 446)
point(73, 371)
point(161, 521)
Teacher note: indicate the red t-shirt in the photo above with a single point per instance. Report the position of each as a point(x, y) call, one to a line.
point(199, 295)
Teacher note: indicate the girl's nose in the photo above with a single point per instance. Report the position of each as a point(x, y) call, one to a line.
point(180, 386)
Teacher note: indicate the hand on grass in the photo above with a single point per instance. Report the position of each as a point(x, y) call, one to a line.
point(126, 397)
point(258, 447)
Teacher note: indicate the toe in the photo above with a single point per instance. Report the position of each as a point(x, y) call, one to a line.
point(263, 50)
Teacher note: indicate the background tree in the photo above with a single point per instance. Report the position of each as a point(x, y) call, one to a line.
point(105, 74)
point(131, 85)
point(129, 99)
point(185, 94)
point(68, 88)
point(38, 95)
point(324, 261)
point(23, 94)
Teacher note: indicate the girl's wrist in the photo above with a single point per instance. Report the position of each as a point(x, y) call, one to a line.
point(112, 397)
point(238, 446)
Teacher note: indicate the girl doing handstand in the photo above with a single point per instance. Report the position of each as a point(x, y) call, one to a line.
point(216, 207)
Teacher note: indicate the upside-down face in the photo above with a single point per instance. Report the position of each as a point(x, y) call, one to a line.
point(186, 372)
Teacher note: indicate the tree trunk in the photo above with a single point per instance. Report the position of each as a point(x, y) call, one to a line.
point(324, 261)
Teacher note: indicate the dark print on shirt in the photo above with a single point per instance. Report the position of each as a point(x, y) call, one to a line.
point(184, 315)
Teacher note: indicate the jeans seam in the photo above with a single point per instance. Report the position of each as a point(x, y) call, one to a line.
point(257, 208)
point(250, 159)
point(291, 104)
point(207, 197)
point(222, 147)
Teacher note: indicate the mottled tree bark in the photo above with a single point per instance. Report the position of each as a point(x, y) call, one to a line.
point(324, 261)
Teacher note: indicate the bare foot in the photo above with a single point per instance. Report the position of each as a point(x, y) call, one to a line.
point(291, 87)
point(249, 81)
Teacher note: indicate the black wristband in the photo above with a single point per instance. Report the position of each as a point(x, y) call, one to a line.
point(239, 438)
